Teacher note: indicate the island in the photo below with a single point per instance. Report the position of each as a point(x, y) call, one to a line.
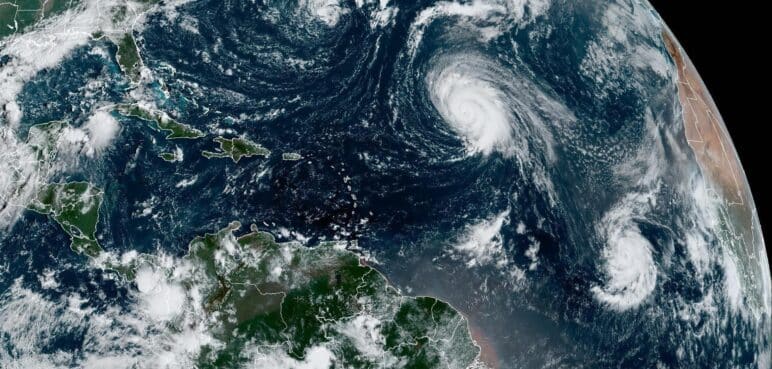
point(160, 121)
point(261, 301)
point(172, 156)
point(291, 156)
point(236, 149)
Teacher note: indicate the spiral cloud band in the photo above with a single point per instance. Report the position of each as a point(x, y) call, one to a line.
point(473, 105)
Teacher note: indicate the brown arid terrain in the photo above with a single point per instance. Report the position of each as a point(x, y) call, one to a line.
point(704, 129)
point(714, 152)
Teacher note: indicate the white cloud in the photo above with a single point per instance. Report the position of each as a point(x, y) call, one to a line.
point(102, 129)
point(317, 357)
point(46, 46)
point(12, 114)
point(54, 38)
point(186, 182)
point(630, 269)
point(162, 299)
point(481, 243)
point(21, 173)
point(732, 281)
point(27, 320)
point(610, 55)
point(92, 138)
point(364, 331)
point(48, 279)
point(328, 11)
point(489, 17)
point(631, 274)
point(475, 108)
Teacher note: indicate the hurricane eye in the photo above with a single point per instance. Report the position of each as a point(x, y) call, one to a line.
point(470, 104)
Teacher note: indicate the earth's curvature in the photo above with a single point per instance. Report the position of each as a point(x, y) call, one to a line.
point(368, 184)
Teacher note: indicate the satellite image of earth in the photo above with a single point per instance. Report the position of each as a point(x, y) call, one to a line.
point(341, 184)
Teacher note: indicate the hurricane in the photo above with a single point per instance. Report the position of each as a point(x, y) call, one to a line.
point(467, 184)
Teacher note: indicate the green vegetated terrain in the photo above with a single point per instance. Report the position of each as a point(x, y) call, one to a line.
point(259, 298)
point(161, 121)
point(171, 156)
point(236, 149)
point(128, 57)
point(288, 299)
point(43, 138)
point(75, 206)
point(18, 15)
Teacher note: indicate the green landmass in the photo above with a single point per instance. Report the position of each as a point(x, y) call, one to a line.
point(128, 56)
point(18, 15)
point(291, 156)
point(236, 148)
point(286, 299)
point(43, 138)
point(161, 121)
point(75, 206)
point(168, 156)
point(172, 156)
point(260, 298)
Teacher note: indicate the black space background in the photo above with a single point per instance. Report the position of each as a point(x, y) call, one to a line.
point(728, 43)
